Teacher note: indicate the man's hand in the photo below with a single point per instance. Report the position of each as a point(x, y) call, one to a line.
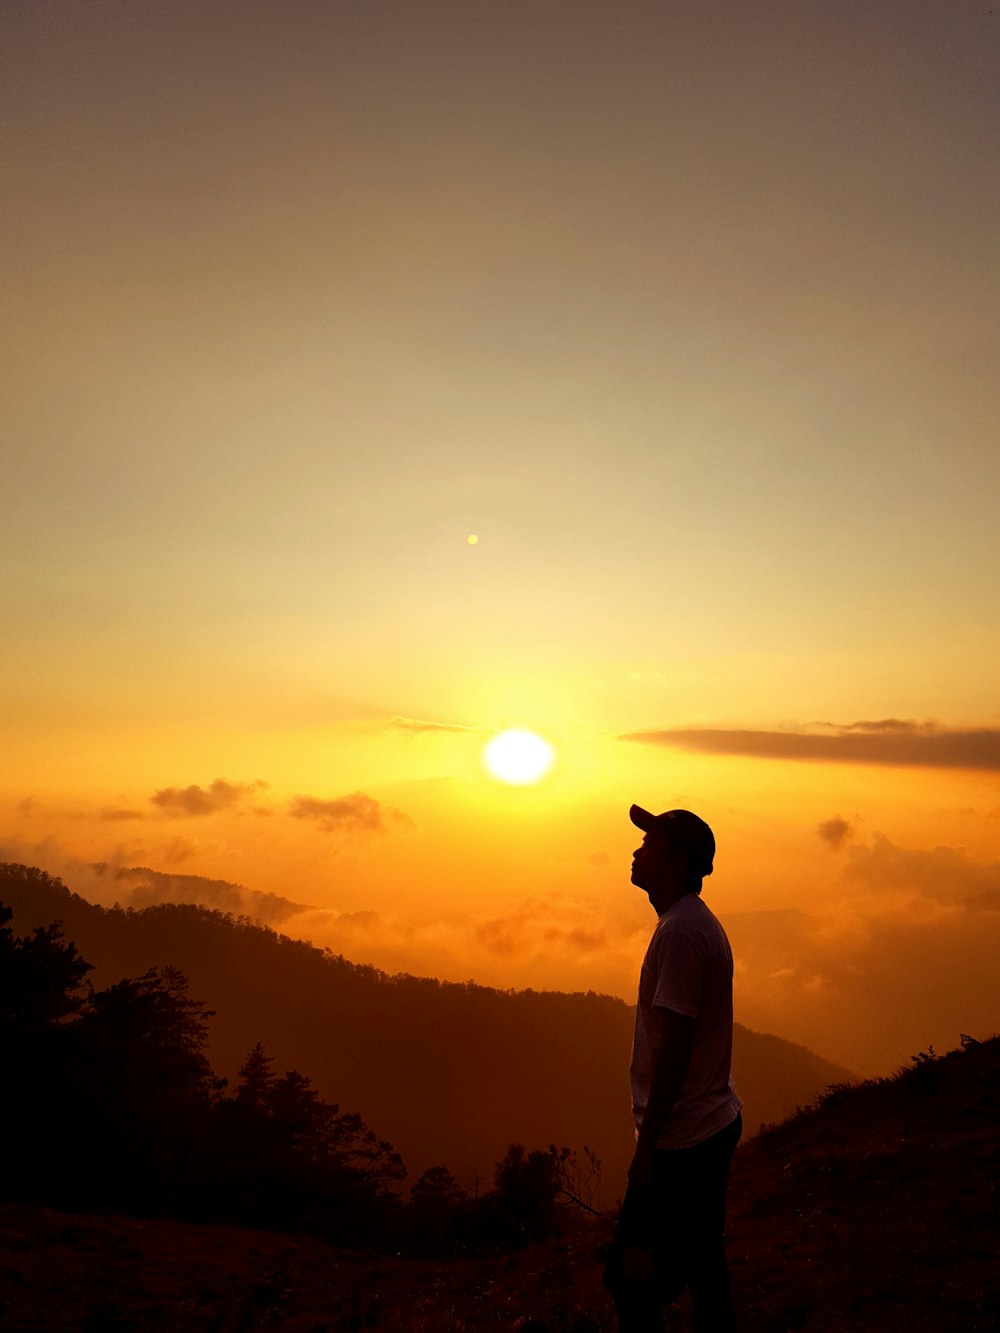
point(674, 1044)
point(640, 1172)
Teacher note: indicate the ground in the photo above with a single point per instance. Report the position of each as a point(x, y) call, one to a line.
point(110, 1274)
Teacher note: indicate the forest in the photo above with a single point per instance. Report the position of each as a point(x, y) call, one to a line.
point(113, 1106)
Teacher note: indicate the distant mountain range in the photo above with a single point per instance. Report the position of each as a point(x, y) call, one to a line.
point(449, 1073)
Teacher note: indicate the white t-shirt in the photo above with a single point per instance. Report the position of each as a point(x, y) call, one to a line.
point(688, 968)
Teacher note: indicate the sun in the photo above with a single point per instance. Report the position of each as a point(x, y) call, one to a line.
point(518, 757)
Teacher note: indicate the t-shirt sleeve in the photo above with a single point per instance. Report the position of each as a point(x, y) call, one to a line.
point(679, 967)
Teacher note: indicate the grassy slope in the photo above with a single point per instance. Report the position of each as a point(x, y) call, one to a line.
point(875, 1211)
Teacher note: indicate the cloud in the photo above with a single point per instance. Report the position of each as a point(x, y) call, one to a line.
point(884, 724)
point(195, 802)
point(356, 813)
point(418, 726)
point(987, 901)
point(113, 813)
point(358, 920)
point(944, 874)
point(540, 924)
point(887, 741)
point(834, 832)
point(178, 849)
point(598, 859)
point(29, 806)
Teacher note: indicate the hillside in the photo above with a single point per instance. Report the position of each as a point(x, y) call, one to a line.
point(877, 1210)
point(874, 1212)
point(450, 1073)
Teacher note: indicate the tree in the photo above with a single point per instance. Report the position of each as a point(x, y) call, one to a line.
point(440, 1216)
point(287, 1157)
point(527, 1185)
point(256, 1081)
point(41, 977)
point(41, 998)
point(144, 1088)
point(437, 1188)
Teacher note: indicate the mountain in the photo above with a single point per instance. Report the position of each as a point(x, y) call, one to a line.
point(146, 888)
point(449, 1073)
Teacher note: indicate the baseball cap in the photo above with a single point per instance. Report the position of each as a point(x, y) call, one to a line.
point(684, 829)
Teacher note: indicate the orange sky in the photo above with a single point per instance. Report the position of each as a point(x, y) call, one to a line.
point(686, 311)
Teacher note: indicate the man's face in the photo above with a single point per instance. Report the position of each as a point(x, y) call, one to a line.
point(656, 865)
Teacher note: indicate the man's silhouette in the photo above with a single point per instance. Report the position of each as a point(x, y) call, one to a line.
point(687, 1113)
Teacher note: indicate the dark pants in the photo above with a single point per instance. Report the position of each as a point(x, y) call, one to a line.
point(672, 1237)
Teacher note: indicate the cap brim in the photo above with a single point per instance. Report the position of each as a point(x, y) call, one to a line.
point(641, 818)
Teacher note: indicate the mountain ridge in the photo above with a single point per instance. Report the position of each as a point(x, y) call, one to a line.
point(450, 1072)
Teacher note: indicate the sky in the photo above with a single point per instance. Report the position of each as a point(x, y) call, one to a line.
point(688, 312)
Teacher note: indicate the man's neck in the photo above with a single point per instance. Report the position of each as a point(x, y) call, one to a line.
point(662, 900)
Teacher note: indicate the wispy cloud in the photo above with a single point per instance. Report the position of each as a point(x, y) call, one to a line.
point(418, 726)
point(356, 813)
point(542, 924)
point(176, 850)
point(887, 741)
point(195, 802)
point(113, 814)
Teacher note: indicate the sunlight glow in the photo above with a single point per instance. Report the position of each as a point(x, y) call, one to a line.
point(518, 756)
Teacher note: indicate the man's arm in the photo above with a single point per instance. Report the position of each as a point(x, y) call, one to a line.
point(674, 1044)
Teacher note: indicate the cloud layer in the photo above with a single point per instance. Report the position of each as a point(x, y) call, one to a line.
point(899, 957)
point(898, 953)
point(888, 741)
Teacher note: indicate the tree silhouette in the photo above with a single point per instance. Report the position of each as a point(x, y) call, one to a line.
point(256, 1081)
point(527, 1186)
point(112, 1104)
point(41, 977)
point(441, 1217)
point(144, 1089)
point(285, 1156)
point(41, 998)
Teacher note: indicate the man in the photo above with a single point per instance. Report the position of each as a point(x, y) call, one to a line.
point(686, 1111)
